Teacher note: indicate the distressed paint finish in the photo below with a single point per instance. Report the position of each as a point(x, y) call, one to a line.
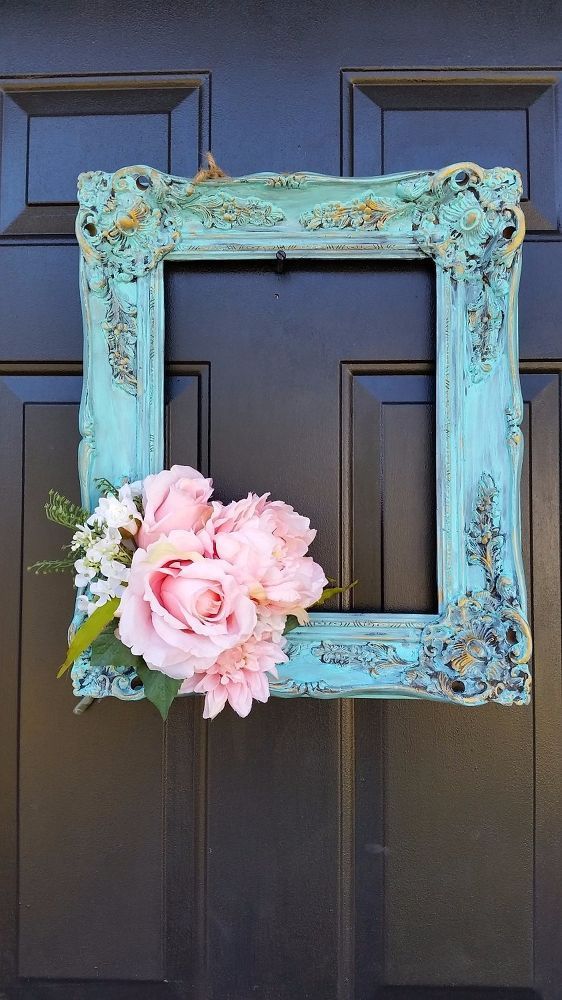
point(477, 645)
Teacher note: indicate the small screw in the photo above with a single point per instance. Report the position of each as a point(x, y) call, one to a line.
point(280, 258)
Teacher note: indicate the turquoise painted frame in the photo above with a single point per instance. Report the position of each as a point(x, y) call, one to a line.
point(477, 645)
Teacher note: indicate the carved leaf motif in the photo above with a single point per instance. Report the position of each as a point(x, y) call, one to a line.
point(120, 327)
point(367, 212)
point(484, 539)
point(127, 223)
point(372, 656)
point(513, 419)
point(465, 221)
point(305, 688)
point(222, 211)
point(287, 180)
point(472, 226)
point(480, 647)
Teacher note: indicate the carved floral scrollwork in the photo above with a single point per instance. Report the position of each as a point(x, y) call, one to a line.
point(479, 649)
point(367, 212)
point(474, 229)
point(105, 682)
point(287, 180)
point(128, 222)
point(309, 689)
point(119, 326)
point(370, 656)
point(468, 220)
point(476, 652)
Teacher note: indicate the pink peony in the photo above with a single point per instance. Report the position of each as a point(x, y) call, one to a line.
point(270, 624)
point(293, 529)
point(231, 516)
point(250, 548)
point(174, 499)
point(183, 608)
point(239, 676)
point(263, 561)
point(294, 585)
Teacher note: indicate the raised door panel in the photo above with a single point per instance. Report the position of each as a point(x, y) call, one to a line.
point(56, 127)
point(83, 795)
point(471, 798)
point(409, 120)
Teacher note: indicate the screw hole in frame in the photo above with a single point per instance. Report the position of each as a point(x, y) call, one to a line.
point(462, 178)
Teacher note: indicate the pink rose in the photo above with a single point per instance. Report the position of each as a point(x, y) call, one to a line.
point(174, 499)
point(182, 608)
point(239, 676)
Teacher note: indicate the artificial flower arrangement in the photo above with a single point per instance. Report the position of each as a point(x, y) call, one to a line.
point(195, 594)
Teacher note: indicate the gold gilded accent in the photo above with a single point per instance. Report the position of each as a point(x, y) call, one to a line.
point(511, 614)
point(134, 218)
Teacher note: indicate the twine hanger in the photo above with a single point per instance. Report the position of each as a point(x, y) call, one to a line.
point(211, 172)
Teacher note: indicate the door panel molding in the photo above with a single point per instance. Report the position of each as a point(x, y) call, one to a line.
point(431, 112)
point(53, 127)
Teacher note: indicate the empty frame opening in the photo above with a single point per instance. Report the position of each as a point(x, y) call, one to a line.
point(316, 384)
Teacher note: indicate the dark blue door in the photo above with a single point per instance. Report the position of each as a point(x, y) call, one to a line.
point(327, 851)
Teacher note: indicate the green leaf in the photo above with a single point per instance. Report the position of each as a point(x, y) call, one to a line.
point(52, 565)
point(158, 688)
point(105, 487)
point(88, 631)
point(329, 592)
point(291, 623)
point(109, 651)
point(63, 511)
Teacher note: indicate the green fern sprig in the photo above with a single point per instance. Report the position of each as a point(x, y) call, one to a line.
point(124, 556)
point(52, 566)
point(63, 511)
point(105, 487)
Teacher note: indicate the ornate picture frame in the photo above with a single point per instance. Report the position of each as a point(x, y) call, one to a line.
point(476, 647)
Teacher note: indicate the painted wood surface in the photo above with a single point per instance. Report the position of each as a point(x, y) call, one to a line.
point(477, 645)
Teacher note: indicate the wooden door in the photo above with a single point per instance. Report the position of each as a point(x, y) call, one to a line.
point(329, 851)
